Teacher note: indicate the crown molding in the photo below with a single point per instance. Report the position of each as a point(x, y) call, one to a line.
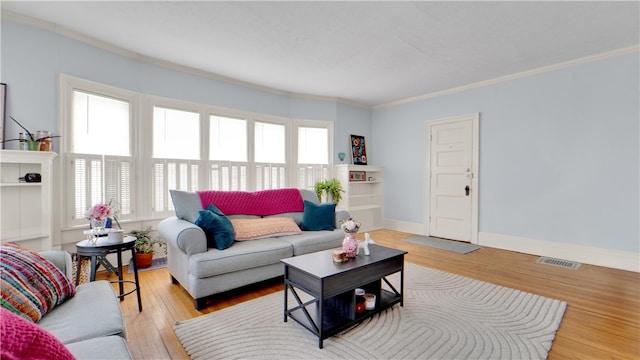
point(60, 30)
point(55, 28)
point(519, 75)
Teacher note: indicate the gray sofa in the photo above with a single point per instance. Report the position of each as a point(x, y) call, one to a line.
point(90, 324)
point(204, 271)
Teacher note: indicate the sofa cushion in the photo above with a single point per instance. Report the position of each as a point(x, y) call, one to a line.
point(187, 204)
point(31, 285)
point(103, 348)
point(93, 312)
point(261, 203)
point(242, 255)
point(252, 229)
point(22, 339)
point(217, 227)
point(312, 241)
point(318, 216)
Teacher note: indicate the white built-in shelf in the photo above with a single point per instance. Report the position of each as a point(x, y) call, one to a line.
point(26, 208)
point(363, 199)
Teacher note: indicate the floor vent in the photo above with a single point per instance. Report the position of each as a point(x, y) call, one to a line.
point(559, 263)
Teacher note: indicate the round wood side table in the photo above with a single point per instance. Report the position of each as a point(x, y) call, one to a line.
point(86, 248)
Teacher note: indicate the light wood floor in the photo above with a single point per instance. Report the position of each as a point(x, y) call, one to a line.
point(602, 320)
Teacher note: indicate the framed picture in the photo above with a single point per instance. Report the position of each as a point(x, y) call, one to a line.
point(3, 111)
point(357, 176)
point(358, 150)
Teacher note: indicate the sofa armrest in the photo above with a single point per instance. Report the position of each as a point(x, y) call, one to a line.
point(341, 216)
point(184, 235)
point(61, 259)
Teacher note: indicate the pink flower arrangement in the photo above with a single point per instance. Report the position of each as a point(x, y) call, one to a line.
point(99, 212)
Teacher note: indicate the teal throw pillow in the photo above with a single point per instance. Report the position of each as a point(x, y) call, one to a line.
point(318, 217)
point(217, 227)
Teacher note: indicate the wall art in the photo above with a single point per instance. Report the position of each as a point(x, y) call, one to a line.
point(358, 150)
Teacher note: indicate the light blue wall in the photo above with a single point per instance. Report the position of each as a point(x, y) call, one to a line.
point(559, 154)
point(356, 121)
point(33, 59)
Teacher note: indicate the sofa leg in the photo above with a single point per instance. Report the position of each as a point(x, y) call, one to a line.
point(200, 303)
point(173, 280)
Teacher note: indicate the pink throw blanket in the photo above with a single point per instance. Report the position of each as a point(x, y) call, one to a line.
point(260, 203)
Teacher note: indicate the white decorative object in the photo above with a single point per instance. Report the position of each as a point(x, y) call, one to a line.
point(116, 236)
point(367, 240)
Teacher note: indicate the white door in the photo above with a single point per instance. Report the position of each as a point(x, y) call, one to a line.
point(452, 188)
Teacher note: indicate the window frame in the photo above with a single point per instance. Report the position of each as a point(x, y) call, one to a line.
point(69, 84)
point(141, 147)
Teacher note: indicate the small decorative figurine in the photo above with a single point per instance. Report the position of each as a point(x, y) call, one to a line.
point(367, 240)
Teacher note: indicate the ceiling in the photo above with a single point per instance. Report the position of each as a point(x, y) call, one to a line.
point(370, 53)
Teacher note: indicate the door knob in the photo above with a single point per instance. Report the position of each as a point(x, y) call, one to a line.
point(467, 190)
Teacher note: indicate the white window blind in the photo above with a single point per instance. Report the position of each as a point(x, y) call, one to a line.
point(225, 175)
point(101, 179)
point(100, 125)
point(227, 139)
point(176, 134)
point(172, 175)
point(270, 143)
point(313, 155)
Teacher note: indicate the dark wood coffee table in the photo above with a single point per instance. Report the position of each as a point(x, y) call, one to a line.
point(331, 286)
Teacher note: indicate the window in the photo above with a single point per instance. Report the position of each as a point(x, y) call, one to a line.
point(313, 155)
point(227, 138)
point(228, 153)
point(269, 152)
point(130, 149)
point(175, 134)
point(100, 156)
point(176, 151)
point(97, 118)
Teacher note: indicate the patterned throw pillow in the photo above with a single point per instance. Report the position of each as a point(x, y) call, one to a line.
point(31, 285)
point(22, 339)
point(250, 229)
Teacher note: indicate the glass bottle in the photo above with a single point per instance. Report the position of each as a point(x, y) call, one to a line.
point(23, 142)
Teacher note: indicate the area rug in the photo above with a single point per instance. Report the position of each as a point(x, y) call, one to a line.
point(156, 263)
point(443, 244)
point(445, 316)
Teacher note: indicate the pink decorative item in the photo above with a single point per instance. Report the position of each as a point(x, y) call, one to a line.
point(260, 203)
point(350, 245)
point(100, 212)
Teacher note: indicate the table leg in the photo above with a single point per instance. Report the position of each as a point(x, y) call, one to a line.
point(286, 290)
point(135, 275)
point(120, 277)
point(78, 270)
point(92, 274)
point(320, 319)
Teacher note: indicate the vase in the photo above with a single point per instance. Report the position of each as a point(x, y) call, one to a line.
point(350, 245)
point(98, 226)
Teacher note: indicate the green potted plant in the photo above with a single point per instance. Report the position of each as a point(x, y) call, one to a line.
point(331, 188)
point(146, 246)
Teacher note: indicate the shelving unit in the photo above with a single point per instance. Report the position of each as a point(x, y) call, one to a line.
point(363, 198)
point(26, 208)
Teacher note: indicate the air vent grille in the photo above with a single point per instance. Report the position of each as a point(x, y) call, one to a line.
point(559, 263)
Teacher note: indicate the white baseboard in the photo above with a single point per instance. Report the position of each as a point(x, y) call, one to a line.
point(404, 226)
point(616, 259)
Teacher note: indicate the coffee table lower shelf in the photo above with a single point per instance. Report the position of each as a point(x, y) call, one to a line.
point(329, 304)
point(333, 321)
